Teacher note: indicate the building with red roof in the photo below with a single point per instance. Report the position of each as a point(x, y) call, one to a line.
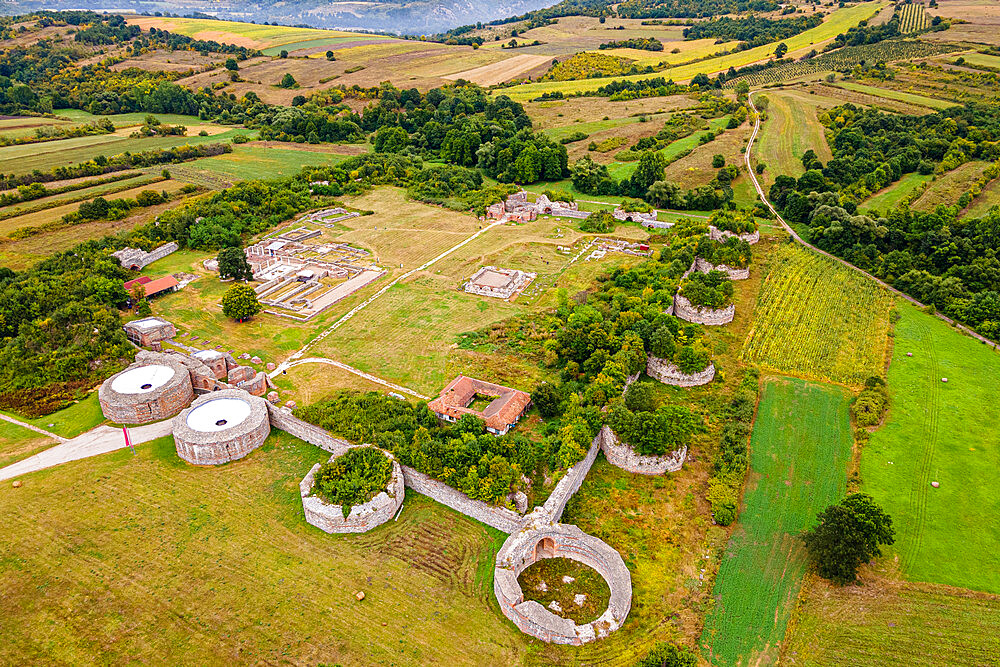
point(505, 408)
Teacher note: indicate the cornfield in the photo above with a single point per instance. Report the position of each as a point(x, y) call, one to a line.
point(844, 60)
point(913, 18)
point(817, 319)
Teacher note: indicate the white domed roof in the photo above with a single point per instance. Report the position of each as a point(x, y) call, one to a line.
point(142, 380)
point(218, 415)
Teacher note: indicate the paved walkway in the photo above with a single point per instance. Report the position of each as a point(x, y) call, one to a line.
point(802, 242)
point(100, 440)
point(31, 427)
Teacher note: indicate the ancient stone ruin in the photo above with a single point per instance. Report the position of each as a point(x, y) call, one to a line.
point(732, 272)
point(135, 259)
point(149, 390)
point(622, 455)
point(221, 427)
point(685, 310)
point(330, 518)
point(505, 407)
point(717, 234)
point(149, 331)
point(667, 372)
point(498, 283)
point(517, 208)
point(644, 218)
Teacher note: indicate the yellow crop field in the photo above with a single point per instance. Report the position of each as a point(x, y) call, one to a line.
point(817, 319)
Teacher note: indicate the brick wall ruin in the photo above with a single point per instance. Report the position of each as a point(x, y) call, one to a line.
point(134, 258)
point(223, 446)
point(683, 309)
point(717, 234)
point(667, 372)
point(283, 419)
point(145, 407)
point(622, 455)
point(330, 518)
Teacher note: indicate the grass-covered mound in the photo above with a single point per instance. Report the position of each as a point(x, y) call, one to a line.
point(708, 290)
point(353, 478)
point(734, 252)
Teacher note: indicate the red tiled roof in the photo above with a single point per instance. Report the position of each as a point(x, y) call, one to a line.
point(503, 411)
point(141, 280)
point(161, 285)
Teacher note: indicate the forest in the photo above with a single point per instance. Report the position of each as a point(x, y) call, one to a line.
point(659, 9)
point(753, 30)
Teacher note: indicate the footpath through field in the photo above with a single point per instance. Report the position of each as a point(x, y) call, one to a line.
point(100, 440)
point(285, 365)
point(31, 427)
point(800, 240)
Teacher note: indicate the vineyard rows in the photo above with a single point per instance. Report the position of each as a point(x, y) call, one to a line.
point(844, 60)
point(817, 319)
point(913, 18)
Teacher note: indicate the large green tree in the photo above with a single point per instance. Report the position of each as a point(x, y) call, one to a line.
point(849, 534)
point(240, 302)
point(233, 264)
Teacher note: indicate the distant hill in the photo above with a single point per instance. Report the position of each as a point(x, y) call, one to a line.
point(414, 17)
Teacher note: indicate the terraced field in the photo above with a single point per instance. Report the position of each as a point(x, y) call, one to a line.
point(818, 319)
point(799, 453)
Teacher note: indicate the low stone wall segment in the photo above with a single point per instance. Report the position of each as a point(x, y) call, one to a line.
point(622, 455)
point(717, 234)
point(734, 273)
point(683, 309)
point(668, 373)
point(570, 482)
point(500, 518)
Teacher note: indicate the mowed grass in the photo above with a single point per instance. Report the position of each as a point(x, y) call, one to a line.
point(910, 98)
point(17, 442)
point(891, 622)
point(242, 34)
point(838, 22)
point(817, 319)
point(946, 188)
point(941, 432)
point(799, 451)
point(120, 557)
point(250, 162)
point(886, 199)
point(987, 199)
point(71, 421)
point(791, 128)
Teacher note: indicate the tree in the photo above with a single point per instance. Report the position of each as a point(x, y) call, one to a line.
point(330, 56)
point(390, 140)
point(848, 534)
point(233, 264)
point(718, 161)
point(232, 65)
point(649, 170)
point(701, 80)
point(639, 397)
point(283, 54)
point(668, 655)
point(288, 81)
point(780, 51)
point(547, 398)
point(240, 302)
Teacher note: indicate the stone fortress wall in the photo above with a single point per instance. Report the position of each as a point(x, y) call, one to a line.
point(685, 310)
point(668, 373)
point(620, 454)
point(223, 445)
point(717, 234)
point(733, 273)
point(134, 258)
point(361, 518)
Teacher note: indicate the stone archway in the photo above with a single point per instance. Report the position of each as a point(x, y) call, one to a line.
point(545, 548)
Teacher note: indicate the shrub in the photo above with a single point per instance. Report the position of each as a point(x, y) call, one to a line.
point(870, 405)
point(601, 222)
point(353, 478)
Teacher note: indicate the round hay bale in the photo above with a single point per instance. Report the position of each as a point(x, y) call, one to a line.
point(17, 484)
point(944, 379)
point(935, 484)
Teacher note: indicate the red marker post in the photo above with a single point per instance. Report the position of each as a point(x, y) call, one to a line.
point(128, 441)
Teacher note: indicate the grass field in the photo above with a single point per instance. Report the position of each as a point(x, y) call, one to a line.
point(910, 98)
point(70, 422)
point(249, 162)
point(800, 449)
point(124, 556)
point(17, 442)
point(791, 129)
point(886, 199)
point(818, 319)
point(890, 622)
point(987, 199)
point(949, 186)
point(241, 34)
point(943, 432)
point(839, 21)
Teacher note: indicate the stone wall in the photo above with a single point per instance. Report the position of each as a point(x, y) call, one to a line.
point(362, 518)
point(231, 444)
point(134, 257)
point(733, 273)
point(570, 483)
point(683, 309)
point(537, 539)
point(668, 373)
point(500, 518)
point(283, 419)
point(717, 234)
point(623, 456)
point(143, 408)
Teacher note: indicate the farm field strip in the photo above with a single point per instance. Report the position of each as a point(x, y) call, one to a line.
point(817, 319)
point(839, 21)
point(943, 432)
point(494, 73)
point(919, 100)
point(949, 186)
point(887, 198)
point(792, 128)
point(82, 194)
point(799, 452)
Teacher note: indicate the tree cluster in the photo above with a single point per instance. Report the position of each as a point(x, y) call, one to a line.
point(353, 478)
point(752, 31)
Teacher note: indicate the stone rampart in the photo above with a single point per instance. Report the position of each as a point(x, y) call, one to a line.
point(622, 455)
point(717, 234)
point(284, 420)
point(135, 258)
point(570, 483)
point(668, 373)
point(222, 445)
point(734, 273)
point(537, 539)
point(683, 309)
point(500, 518)
point(361, 518)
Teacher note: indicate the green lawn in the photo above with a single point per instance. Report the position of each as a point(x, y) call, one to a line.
point(120, 557)
point(248, 162)
point(331, 42)
point(943, 432)
point(69, 422)
point(886, 199)
point(17, 442)
point(800, 449)
point(790, 130)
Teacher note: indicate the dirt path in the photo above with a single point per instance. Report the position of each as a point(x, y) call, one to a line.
point(367, 376)
point(57, 438)
point(100, 440)
point(798, 239)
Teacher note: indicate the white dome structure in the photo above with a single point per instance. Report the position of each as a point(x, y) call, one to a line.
point(152, 389)
point(221, 427)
